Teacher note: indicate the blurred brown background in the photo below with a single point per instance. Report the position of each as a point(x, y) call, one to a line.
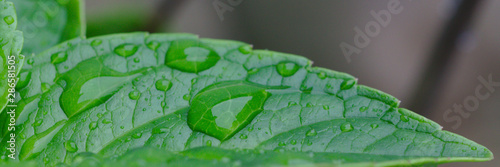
point(394, 60)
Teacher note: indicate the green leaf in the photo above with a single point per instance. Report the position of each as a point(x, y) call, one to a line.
point(11, 42)
point(178, 93)
point(45, 23)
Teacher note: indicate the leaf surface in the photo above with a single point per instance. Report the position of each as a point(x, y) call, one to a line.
point(175, 92)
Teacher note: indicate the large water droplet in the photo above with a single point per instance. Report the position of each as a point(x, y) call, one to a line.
point(58, 57)
point(224, 108)
point(163, 85)
point(70, 146)
point(311, 132)
point(126, 50)
point(287, 69)
point(191, 56)
point(346, 127)
point(9, 20)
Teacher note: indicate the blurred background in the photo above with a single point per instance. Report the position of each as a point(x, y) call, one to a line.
point(434, 55)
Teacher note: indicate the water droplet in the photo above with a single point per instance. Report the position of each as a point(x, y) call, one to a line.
point(347, 84)
point(363, 109)
point(287, 69)
point(209, 143)
point(45, 87)
point(126, 50)
point(160, 130)
point(309, 105)
point(346, 127)
point(24, 79)
point(58, 57)
point(93, 125)
point(309, 143)
point(253, 71)
point(326, 107)
point(250, 128)
point(190, 56)
point(70, 146)
point(96, 42)
point(163, 85)
point(137, 135)
point(38, 122)
point(163, 104)
point(404, 118)
point(311, 132)
point(153, 45)
point(243, 136)
point(186, 97)
point(134, 95)
point(322, 75)
point(473, 148)
point(106, 121)
point(137, 60)
point(245, 49)
point(31, 61)
point(374, 126)
point(293, 142)
point(282, 144)
point(9, 20)
point(225, 108)
point(122, 127)
point(292, 103)
point(99, 115)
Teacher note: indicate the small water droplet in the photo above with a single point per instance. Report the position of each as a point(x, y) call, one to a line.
point(106, 121)
point(137, 60)
point(163, 85)
point(122, 127)
point(363, 109)
point(322, 75)
point(96, 42)
point(287, 69)
point(70, 146)
point(253, 71)
point(126, 50)
point(186, 97)
point(31, 61)
point(209, 143)
point(250, 128)
point(45, 87)
point(346, 127)
point(374, 126)
point(93, 125)
point(404, 118)
point(293, 142)
point(347, 84)
point(160, 130)
point(245, 49)
point(326, 107)
point(99, 115)
point(292, 103)
point(58, 57)
point(38, 122)
point(134, 95)
point(473, 148)
point(163, 104)
point(243, 136)
point(137, 135)
point(153, 45)
point(9, 20)
point(282, 144)
point(311, 132)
